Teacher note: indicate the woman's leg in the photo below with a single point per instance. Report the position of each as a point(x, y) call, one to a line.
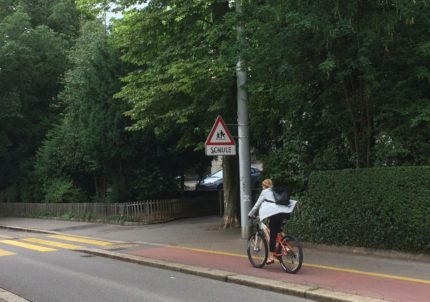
point(275, 225)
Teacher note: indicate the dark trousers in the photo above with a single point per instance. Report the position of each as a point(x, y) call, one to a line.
point(275, 225)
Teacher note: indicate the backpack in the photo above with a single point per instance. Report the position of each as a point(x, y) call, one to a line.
point(281, 196)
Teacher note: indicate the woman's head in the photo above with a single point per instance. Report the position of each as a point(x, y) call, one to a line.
point(267, 183)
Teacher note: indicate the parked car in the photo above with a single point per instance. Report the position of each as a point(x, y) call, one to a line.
point(214, 182)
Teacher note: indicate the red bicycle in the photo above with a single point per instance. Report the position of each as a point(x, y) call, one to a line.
point(288, 249)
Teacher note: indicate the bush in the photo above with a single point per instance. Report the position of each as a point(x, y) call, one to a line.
point(386, 208)
point(286, 169)
point(62, 190)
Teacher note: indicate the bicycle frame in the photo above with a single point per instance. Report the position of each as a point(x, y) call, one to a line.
point(288, 249)
point(266, 231)
point(284, 247)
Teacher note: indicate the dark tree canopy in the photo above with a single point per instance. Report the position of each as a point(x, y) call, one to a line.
point(117, 111)
point(32, 61)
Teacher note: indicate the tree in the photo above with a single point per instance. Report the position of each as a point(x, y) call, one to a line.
point(183, 73)
point(90, 85)
point(90, 147)
point(321, 82)
point(32, 58)
point(88, 142)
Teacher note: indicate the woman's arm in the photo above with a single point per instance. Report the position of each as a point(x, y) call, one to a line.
point(257, 205)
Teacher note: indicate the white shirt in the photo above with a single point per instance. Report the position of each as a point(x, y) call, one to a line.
point(268, 209)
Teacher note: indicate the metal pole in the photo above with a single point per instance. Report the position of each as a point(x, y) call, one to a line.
point(243, 136)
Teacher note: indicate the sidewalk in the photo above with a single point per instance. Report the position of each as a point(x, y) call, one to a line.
point(6, 296)
point(198, 246)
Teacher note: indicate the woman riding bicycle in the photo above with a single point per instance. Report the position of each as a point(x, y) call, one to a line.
point(275, 212)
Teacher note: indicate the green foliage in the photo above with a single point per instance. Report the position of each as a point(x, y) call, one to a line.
point(149, 182)
point(32, 59)
point(62, 190)
point(93, 7)
point(383, 208)
point(332, 85)
point(347, 80)
point(87, 145)
point(87, 216)
point(181, 79)
point(67, 216)
point(286, 167)
point(90, 145)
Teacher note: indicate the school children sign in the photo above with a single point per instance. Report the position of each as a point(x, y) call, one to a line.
point(220, 141)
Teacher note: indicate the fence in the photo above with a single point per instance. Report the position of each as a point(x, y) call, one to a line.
point(148, 211)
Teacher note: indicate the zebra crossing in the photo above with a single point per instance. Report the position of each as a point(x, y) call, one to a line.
point(48, 243)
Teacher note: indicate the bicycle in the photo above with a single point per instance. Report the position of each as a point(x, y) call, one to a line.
point(288, 249)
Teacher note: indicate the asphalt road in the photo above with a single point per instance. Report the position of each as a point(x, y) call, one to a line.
point(70, 276)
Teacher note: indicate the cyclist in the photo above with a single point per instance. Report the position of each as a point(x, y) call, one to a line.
point(276, 213)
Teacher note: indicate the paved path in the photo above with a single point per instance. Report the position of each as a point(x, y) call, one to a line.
point(6, 296)
point(199, 246)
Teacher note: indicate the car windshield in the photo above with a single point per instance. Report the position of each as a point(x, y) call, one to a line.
point(217, 174)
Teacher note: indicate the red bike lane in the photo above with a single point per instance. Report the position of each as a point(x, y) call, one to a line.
point(368, 284)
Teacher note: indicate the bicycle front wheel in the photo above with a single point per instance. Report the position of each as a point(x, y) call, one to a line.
point(291, 252)
point(257, 250)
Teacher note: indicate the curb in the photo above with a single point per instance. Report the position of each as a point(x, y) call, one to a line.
point(340, 249)
point(29, 230)
point(15, 228)
point(302, 291)
point(6, 296)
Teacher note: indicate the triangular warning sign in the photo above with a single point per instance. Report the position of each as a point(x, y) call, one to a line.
point(220, 135)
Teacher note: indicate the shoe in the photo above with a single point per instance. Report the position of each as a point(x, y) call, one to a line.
point(270, 261)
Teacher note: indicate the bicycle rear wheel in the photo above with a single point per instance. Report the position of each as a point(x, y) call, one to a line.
point(257, 250)
point(291, 258)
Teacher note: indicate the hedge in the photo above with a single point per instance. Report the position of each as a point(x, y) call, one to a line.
point(382, 208)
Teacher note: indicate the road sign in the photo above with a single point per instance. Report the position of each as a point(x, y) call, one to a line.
point(220, 141)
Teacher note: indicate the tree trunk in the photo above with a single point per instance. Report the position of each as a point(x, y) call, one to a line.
point(231, 191)
point(100, 183)
point(360, 110)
